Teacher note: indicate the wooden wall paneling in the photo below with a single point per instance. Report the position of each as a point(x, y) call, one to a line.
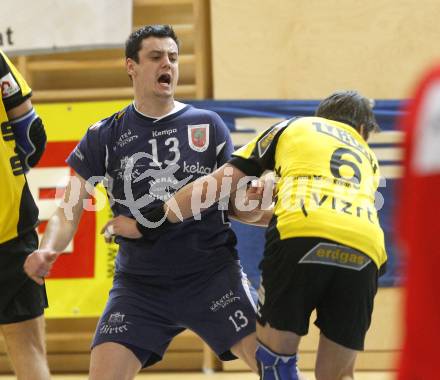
point(68, 349)
point(306, 49)
point(101, 75)
point(202, 49)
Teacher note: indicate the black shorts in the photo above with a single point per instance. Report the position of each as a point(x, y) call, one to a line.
point(21, 298)
point(299, 276)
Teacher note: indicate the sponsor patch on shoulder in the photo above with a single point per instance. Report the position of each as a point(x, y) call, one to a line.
point(9, 86)
point(264, 143)
point(336, 255)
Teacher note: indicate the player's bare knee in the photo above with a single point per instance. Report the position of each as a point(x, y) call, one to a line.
point(24, 337)
point(35, 337)
point(322, 372)
point(113, 361)
point(348, 373)
point(245, 349)
point(37, 343)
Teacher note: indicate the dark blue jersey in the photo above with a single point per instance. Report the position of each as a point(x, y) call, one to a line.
point(144, 161)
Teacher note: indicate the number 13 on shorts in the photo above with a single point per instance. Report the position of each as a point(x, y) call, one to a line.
point(239, 320)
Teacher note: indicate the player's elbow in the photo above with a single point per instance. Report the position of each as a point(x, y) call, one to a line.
point(38, 138)
point(30, 138)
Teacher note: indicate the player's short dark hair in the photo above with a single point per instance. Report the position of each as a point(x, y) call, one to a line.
point(349, 107)
point(134, 41)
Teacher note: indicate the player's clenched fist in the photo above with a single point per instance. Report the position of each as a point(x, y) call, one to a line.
point(39, 263)
point(261, 190)
point(121, 226)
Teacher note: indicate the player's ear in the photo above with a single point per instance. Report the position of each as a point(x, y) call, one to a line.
point(130, 67)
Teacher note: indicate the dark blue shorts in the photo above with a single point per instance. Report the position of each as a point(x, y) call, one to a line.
point(145, 314)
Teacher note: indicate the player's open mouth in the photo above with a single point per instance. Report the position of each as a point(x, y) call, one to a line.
point(165, 79)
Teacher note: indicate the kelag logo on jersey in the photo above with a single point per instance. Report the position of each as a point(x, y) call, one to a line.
point(198, 137)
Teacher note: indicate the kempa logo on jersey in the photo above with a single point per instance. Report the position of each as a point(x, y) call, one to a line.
point(166, 132)
point(195, 168)
point(198, 137)
point(115, 325)
point(8, 85)
point(227, 299)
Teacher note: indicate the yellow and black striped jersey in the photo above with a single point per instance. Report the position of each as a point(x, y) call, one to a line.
point(327, 178)
point(19, 212)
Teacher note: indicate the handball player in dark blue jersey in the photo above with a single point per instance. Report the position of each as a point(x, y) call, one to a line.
point(186, 278)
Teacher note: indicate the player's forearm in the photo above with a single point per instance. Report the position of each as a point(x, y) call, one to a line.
point(191, 200)
point(265, 218)
point(249, 217)
point(201, 194)
point(260, 218)
point(59, 232)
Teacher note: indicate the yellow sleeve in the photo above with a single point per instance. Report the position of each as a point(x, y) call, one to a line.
point(14, 88)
